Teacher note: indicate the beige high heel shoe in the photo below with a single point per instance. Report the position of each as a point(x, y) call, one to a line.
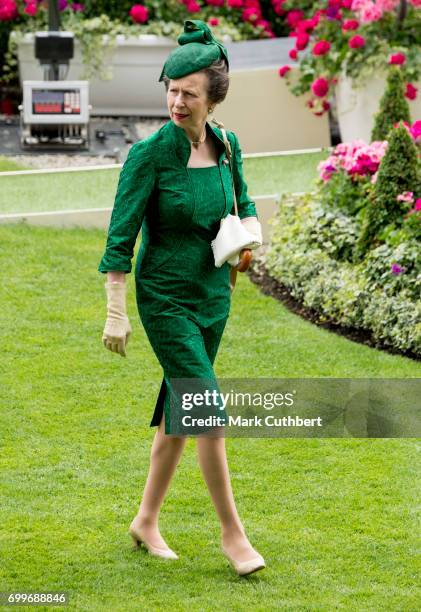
point(243, 568)
point(138, 540)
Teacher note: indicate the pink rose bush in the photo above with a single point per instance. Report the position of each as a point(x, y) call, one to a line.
point(359, 36)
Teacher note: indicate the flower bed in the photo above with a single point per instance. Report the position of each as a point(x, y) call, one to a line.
point(316, 252)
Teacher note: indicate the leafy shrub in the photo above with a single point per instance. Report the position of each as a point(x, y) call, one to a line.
point(398, 173)
point(393, 105)
point(379, 294)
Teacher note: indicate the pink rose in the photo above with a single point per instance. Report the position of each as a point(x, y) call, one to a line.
point(320, 87)
point(283, 70)
point(30, 9)
point(411, 91)
point(321, 47)
point(293, 54)
point(139, 13)
point(302, 41)
point(213, 21)
point(251, 14)
point(235, 3)
point(350, 24)
point(397, 58)
point(192, 6)
point(418, 204)
point(8, 10)
point(215, 2)
point(294, 17)
point(415, 130)
point(356, 42)
point(406, 196)
point(305, 25)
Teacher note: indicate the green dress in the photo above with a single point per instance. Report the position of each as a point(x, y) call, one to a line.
point(182, 298)
point(184, 303)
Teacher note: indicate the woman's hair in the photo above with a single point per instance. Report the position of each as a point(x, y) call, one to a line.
point(218, 81)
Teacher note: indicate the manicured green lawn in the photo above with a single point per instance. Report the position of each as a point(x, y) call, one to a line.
point(337, 520)
point(7, 165)
point(96, 189)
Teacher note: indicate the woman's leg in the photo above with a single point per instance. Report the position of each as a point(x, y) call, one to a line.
point(166, 452)
point(213, 463)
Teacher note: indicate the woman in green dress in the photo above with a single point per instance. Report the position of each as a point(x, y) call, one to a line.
point(176, 186)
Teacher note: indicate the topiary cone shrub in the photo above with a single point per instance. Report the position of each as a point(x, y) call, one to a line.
point(393, 106)
point(398, 172)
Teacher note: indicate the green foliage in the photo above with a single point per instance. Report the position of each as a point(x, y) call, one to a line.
point(393, 106)
point(365, 295)
point(333, 231)
point(399, 171)
point(344, 192)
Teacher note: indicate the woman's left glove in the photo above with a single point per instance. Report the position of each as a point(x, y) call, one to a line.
point(117, 328)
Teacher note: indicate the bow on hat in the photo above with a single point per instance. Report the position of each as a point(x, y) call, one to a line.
point(198, 49)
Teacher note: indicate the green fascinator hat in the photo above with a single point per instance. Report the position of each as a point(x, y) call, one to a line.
point(198, 49)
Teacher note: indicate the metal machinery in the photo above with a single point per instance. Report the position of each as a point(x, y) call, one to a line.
point(55, 112)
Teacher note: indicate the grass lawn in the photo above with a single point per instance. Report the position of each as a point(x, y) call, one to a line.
point(336, 519)
point(7, 165)
point(96, 188)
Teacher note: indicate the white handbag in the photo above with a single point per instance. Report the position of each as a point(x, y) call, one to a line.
point(232, 236)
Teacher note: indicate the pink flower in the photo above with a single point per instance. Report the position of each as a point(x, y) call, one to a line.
point(356, 42)
point(139, 13)
point(8, 10)
point(406, 196)
point(235, 3)
point(411, 91)
point(415, 130)
point(78, 8)
point(213, 21)
point(277, 7)
point(370, 12)
point(215, 2)
point(396, 269)
point(350, 24)
point(305, 25)
point(31, 9)
point(283, 70)
point(320, 87)
point(251, 14)
point(356, 158)
point(294, 17)
point(418, 204)
point(302, 41)
point(293, 54)
point(397, 58)
point(263, 23)
point(192, 6)
point(387, 6)
point(321, 47)
point(416, 3)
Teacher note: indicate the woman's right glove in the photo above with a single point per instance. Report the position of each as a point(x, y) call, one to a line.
point(117, 326)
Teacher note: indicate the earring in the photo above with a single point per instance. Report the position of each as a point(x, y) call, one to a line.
point(210, 110)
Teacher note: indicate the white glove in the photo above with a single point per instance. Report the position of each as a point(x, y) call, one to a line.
point(252, 225)
point(117, 326)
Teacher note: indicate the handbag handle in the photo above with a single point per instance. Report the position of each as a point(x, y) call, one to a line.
point(220, 125)
point(247, 256)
